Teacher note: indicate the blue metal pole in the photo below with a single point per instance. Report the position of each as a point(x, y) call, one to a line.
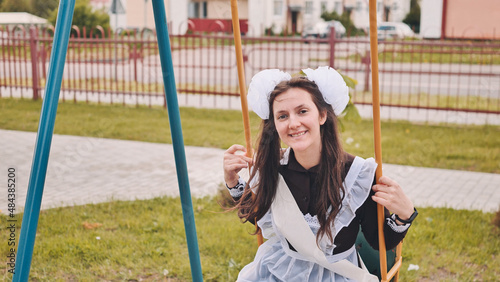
point(43, 141)
point(177, 140)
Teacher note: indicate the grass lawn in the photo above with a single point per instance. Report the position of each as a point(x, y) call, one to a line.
point(442, 101)
point(438, 54)
point(145, 239)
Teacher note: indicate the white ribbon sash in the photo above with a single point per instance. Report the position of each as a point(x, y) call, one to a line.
point(291, 223)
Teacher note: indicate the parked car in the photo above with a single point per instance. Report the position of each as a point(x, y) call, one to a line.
point(322, 30)
point(394, 30)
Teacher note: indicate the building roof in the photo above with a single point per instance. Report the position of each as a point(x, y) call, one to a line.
point(20, 18)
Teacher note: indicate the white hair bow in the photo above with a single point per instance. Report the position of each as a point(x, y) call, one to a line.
point(330, 83)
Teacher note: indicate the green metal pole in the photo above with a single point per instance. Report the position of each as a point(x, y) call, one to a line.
point(43, 141)
point(177, 140)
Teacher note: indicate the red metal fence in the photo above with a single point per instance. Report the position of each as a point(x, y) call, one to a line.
point(460, 76)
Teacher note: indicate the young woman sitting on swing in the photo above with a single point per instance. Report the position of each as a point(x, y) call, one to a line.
point(309, 199)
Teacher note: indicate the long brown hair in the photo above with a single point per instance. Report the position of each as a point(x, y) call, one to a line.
point(264, 175)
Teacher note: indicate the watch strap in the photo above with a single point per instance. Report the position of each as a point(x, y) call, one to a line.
point(410, 220)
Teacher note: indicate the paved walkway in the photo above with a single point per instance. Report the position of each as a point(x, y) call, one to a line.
point(91, 170)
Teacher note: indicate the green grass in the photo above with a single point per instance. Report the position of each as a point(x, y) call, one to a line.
point(460, 56)
point(452, 245)
point(120, 241)
point(437, 101)
point(474, 148)
point(436, 55)
point(145, 239)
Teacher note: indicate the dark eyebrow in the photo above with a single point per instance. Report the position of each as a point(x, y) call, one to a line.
point(296, 108)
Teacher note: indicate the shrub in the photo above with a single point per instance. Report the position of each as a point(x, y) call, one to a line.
point(84, 15)
point(346, 21)
point(496, 219)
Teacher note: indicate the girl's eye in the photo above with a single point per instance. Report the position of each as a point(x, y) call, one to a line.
point(282, 116)
point(303, 111)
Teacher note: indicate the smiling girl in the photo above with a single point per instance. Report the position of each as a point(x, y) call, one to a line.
point(311, 198)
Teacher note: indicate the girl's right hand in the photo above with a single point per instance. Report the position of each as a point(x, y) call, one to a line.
point(234, 162)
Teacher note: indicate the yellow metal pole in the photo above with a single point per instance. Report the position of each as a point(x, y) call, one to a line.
point(242, 84)
point(378, 144)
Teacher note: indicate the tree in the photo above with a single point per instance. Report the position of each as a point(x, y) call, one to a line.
point(330, 16)
point(43, 8)
point(15, 6)
point(85, 16)
point(346, 21)
point(413, 17)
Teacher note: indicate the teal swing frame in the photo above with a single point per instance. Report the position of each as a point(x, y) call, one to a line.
point(46, 129)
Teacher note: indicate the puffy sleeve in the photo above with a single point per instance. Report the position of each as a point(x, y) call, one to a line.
point(237, 191)
point(367, 214)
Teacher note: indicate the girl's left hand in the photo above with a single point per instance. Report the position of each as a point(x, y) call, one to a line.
point(389, 194)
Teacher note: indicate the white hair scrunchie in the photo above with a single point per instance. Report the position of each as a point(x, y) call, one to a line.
point(330, 83)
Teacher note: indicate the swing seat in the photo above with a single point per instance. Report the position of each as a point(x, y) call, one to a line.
point(370, 256)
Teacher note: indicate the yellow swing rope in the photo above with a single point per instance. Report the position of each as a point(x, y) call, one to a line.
point(386, 276)
point(243, 93)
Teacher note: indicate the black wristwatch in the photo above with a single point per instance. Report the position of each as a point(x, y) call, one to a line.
point(409, 220)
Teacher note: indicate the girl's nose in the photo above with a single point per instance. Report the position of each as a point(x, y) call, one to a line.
point(294, 121)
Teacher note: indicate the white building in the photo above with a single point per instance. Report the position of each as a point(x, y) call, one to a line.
point(295, 15)
point(282, 16)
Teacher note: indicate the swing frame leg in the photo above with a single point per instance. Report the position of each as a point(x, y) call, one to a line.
point(38, 173)
point(177, 139)
point(46, 129)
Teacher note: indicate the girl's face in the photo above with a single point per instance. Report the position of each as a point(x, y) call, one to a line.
point(298, 121)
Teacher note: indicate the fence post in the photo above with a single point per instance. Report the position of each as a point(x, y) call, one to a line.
point(34, 60)
point(135, 55)
point(332, 46)
point(367, 61)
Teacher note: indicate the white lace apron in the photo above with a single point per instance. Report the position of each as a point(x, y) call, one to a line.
point(275, 261)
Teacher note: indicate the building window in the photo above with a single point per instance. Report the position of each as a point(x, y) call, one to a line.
point(359, 6)
point(204, 10)
point(323, 7)
point(193, 9)
point(278, 7)
point(198, 10)
point(338, 7)
point(309, 7)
